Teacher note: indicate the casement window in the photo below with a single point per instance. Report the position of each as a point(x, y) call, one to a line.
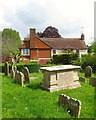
point(25, 51)
point(54, 51)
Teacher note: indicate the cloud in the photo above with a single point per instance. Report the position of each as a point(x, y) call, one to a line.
point(67, 16)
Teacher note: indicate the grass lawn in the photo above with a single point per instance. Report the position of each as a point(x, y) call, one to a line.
point(30, 101)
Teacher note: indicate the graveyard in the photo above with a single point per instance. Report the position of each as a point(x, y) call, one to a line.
point(28, 100)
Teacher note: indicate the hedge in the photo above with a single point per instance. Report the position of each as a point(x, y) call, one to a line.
point(33, 67)
point(65, 58)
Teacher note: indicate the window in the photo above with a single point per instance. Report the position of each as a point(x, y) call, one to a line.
point(54, 51)
point(25, 51)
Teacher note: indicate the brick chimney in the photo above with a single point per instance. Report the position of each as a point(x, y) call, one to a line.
point(32, 34)
point(82, 36)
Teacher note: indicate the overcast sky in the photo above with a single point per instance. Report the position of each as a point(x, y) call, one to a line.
point(70, 17)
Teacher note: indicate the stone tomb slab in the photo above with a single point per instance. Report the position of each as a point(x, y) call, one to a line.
point(60, 77)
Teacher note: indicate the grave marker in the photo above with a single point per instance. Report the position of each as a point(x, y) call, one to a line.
point(92, 81)
point(72, 105)
point(82, 79)
point(19, 78)
point(6, 69)
point(26, 74)
point(88, 71)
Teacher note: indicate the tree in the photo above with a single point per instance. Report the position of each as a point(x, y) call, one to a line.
point(92, 47)
point(10, 42)
point(50, 32)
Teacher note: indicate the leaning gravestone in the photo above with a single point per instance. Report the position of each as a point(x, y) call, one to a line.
point(19, 78)
point(88, 71)
point(26, 74)
point(92, 81)
point(6, 68)
point(72, 105)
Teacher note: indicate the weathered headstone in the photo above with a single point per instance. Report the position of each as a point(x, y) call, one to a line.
point(12, 74)
point(16, 75)
point(72, 105)
point(82, 79)
point(63, 100)
point(92, 81)
point(88, 71)
point(19, 78)
point(6, 68)
point(26, 74)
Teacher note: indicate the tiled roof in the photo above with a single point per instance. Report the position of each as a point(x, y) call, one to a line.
point(65, 43)
point(25, 45)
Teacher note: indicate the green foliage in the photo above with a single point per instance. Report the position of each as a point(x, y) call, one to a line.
point(92, 47)
point(86, 60)
point(65, 58)
point(32, 66)
point(10, 42)
point(31, 101)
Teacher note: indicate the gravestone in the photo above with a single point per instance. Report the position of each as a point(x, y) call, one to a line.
point(19, 78)
point(12, 74)
point(6, 68)
point(26, 74)
point(63, 100)
point(82, 79)
point(72, 105)
point(88, 71)
point(16, 75)
point(92, 81)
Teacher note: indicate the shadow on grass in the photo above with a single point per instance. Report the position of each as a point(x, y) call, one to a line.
point(34, 86)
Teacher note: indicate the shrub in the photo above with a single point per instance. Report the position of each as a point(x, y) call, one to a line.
point(65, 58)
point(86, 60)
point(32, 66)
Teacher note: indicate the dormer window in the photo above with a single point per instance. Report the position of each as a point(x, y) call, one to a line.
point(25, 52)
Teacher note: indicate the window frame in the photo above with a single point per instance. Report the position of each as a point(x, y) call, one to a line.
point(25, 51)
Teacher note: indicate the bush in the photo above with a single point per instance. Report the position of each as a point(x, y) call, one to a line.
point(86, 60)
point(32, 66)
point(65, 58)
